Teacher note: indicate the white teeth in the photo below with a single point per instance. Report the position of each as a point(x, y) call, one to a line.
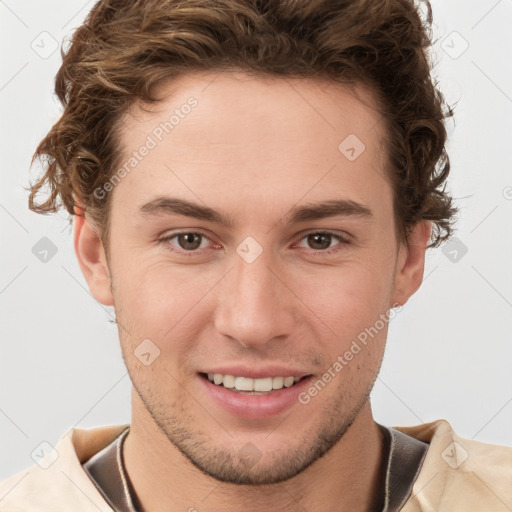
point(263, 384)
point(247, 384)
point(288, 381)
point(244, 384)
point(277, 382)
point(229, 381)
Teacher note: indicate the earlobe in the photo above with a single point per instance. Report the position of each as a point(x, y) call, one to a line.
point(411, 263)
point(91, 258)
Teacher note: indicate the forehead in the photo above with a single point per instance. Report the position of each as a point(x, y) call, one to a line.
point(238, 98)
point(236, 133)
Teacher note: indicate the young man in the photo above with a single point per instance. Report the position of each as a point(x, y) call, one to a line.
point(254, 186)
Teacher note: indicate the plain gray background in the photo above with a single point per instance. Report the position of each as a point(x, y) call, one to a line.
point(449, 351)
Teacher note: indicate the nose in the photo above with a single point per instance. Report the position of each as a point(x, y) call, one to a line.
point(254, 306)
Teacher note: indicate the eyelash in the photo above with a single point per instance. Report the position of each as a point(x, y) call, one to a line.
point(330, 251)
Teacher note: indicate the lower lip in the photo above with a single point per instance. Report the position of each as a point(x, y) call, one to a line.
point(255, 406)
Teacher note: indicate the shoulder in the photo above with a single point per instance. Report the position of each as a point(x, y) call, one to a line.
point(58, 481)
point(459, 473)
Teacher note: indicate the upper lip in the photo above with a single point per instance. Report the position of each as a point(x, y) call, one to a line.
point(258, 373)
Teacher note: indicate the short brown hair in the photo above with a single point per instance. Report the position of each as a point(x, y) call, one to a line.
point(126, 47)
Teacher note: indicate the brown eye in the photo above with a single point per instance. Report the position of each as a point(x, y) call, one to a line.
point(185, 242)
point(189, 241)
point(324, 242)
point(319, 241)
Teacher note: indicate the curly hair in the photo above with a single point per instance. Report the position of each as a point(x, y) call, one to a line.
point(127, 47)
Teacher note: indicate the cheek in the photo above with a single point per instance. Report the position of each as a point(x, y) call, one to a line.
point(349, 299)
point(160, 303)
point(354, 307)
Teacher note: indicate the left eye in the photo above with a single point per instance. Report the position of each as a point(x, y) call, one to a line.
point(322, 240)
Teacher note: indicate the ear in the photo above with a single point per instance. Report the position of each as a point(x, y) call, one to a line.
point(411, 263)
point(92, 260)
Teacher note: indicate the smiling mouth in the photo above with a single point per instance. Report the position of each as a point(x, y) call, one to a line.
point(248, 386)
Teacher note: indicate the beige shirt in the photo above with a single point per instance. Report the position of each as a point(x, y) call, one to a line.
point(457, 475)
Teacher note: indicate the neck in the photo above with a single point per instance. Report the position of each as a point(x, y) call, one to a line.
point(347, 477)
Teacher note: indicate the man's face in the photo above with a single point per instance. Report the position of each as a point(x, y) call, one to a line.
point(276, 292)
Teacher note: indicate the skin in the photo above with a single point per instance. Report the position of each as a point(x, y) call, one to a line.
point(253, 148)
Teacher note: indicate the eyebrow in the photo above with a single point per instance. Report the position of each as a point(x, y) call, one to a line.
point(312, 211)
